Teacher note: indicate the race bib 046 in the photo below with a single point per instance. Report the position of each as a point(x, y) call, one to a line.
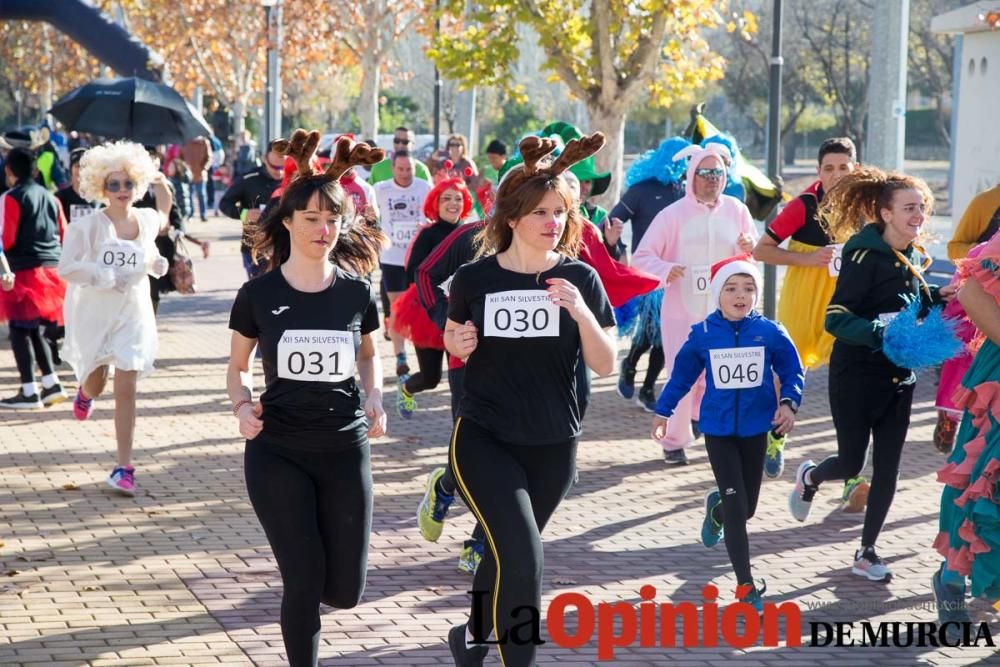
point(316, 355)
point(737, 367)
point(122, 257)
point(521, 314)
point(700, 280)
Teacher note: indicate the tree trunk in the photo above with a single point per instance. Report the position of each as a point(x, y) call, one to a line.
point(371, 77)
point(239, 111)
point(610, 121)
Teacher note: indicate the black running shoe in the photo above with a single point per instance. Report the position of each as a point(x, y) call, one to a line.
point(676, 457)
point(465, 656)
point(53, 395)
point(22, 402)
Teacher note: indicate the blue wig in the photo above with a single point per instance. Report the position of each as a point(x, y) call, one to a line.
point(734, 180)
point(659, 164)
point(912, 343)
point(639, 317)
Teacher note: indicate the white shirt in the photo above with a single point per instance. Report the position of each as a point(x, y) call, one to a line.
point(401, 212)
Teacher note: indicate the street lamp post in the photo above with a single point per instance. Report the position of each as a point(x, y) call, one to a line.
point(272, 101)
point(773, 144)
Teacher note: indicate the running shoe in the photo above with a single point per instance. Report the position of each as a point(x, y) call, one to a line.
point(385, 329)
point(801, 497)
point(711, 531)
point(53, 395)
point(755, 597)
point(774, 459)
point(471, 557)
point(646, 399)
point(695, 428)
point(406, 404)
point(402, 368)
point(433, 508)
point(626, 380)
point(868, 564)
point(465, 656)
point(82, 406)
point(951, 606)
point(122, 480)
point(855, 495)
point(944, 432)
point(675, 457)
point(22, 402)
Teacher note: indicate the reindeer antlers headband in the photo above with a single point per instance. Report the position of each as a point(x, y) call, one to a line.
point(302, 147)
point(534, 149)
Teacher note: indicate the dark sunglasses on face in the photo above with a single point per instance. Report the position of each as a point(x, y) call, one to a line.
point(714, 172)
point(274, 167)
point(118, 186)
point(398, 141)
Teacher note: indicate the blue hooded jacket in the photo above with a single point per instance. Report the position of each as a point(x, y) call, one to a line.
point(739, 412)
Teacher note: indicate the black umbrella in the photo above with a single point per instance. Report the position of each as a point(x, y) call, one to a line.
point(143, 111)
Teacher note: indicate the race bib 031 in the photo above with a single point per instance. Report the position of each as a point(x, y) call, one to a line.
point(521, 314)
point(316, 355)
point(737, 367)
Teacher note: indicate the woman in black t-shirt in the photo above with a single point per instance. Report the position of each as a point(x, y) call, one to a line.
point(520, 318)
point(308, 470)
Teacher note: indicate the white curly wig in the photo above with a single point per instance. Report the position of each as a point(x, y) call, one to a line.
point(125, 156)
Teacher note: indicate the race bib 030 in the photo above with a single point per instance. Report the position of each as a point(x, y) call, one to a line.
point(737, 367)
point(521, 314)
point(316, 355)
point(122, 257)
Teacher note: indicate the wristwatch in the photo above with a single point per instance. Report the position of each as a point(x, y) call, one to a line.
point(791, 404)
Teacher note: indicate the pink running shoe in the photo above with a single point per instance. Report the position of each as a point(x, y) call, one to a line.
point(82, 407)
point(122, 480)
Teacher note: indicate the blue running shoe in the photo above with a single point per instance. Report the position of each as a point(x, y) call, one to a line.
point(774, 459)
point(755, 597)
point(711, 531)
point(626, 380)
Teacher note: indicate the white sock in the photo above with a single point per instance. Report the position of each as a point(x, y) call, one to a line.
point(808, 478)
point(29, 388)
point(50, 380)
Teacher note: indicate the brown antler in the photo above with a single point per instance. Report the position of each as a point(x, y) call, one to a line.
point(349, 154)
point(533, 149)
point(575, 151)
point(300, 148)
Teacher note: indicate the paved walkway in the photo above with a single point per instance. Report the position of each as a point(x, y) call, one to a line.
point(182, 575)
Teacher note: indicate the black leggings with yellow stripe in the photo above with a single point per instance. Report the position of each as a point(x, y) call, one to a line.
point(513, 491)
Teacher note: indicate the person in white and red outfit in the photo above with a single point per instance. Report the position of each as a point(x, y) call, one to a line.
point(682, 243)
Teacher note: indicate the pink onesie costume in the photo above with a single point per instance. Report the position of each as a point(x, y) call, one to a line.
point(690, 234)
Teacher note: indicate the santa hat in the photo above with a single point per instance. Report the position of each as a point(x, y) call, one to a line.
point(729, 267)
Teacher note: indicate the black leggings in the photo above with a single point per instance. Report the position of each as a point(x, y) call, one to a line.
point(513, 491)
point(316, 510)
point(656, 361)
point(28, 346)
point(429, 362)
point(738, 465)
point(864, 407)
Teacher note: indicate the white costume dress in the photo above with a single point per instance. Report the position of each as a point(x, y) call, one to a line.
point(109, 324)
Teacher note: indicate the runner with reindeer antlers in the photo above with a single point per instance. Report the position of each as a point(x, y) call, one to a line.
point(308, 468)
point(520, 317)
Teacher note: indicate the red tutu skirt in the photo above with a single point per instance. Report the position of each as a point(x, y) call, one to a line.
point(38, 294)
point(411, 321)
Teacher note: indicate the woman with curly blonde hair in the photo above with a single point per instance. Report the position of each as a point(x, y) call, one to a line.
point(108, 310)
point(880, 215)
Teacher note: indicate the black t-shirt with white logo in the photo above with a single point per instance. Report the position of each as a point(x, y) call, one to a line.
point(520, 382)
point(308, 345)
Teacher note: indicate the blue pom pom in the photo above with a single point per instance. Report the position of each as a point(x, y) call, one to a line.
point(640, 318)
point(910, 342)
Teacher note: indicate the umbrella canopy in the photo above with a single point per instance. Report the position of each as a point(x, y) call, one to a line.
point(143, 111)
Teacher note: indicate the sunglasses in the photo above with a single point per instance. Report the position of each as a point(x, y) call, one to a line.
point(454, 145)
point(117, 186)
point(714, 172)
point(401, 141)
point(274, 167)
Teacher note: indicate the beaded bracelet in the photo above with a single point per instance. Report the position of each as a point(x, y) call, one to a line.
point(240, 404)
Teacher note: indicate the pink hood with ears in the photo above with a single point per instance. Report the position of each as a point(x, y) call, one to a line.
point(697, 154)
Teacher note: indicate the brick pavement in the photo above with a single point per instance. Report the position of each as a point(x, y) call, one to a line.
point(182, 575)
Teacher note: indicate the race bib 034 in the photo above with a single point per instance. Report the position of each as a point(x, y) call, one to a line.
point(316, 355)
point(122, 257)
point(737, 367)
point(521, 314)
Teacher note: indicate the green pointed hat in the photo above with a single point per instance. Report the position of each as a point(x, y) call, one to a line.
point(585, 170)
